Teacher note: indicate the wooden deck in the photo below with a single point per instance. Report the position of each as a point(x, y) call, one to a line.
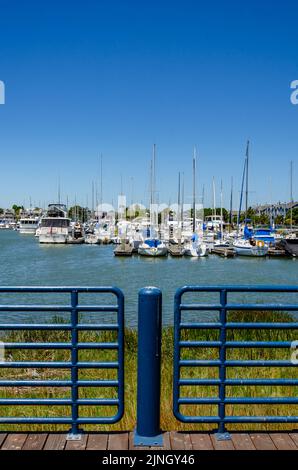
point(172, 441)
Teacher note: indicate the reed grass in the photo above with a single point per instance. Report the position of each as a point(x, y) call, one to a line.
point(168, 421)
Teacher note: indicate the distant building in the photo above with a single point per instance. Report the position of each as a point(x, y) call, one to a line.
point(280, 208)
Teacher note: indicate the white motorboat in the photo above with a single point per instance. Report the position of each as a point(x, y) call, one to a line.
point(195, 249)
point(152, 247)
point(28, 225)
point(244, 247)
point(55, 225)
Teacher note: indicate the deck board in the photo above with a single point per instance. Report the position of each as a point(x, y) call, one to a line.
point(35, 441)
point(14, 442)
point(282, 441)
point(242, 441)
point(97, 442)
point(55, 442)
point(262, 441)
point(201, 441)
point(172, 441)
point(118, 441)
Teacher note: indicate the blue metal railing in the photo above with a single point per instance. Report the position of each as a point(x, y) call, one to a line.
point(222, 363)
point(74, 365)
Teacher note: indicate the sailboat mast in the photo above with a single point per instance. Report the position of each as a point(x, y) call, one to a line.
point(221, 211)
point(182, 202)
point(231, 202)
point(214, 203)
point(291, 192)
point(194, 190)
point(179, 198)
point(246, 190)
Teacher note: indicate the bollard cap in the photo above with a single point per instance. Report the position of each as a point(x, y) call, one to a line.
point(150, 290)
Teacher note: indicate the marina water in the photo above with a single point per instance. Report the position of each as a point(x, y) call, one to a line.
point(25, 262)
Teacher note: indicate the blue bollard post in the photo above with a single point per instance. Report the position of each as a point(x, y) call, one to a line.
point(148, 431)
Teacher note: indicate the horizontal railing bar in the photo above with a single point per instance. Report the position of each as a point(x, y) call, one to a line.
point(35, 401)
point(198, 401)
point(239, 401)
point(261, 325)
point(240, 382)
point(269, 382)
point(60, 365)
point(58, 308)
point(261, 419)
point(58, 401)
point(198, 363)
point(260, 307)
point(184, 382)
point(58, 383)
point(240, 288)
point(199, 344)
point(235, 344)
point(60, 345)
point(66, 289)
point(259, 363)
point(198, 307)
point(56, 326)
point(205, 325)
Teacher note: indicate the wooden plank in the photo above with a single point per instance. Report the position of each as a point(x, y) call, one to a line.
point(180, 441)
point(34, 441)
point(14, 441)
point(294, 437)
point(242, 441)
point(118, 441)
point(283, 441)
point(77, 445)
point(262, 441)
point(2, 438)
point(97, 442)
point(55, 442)
point(201, 441)
point(222, 445)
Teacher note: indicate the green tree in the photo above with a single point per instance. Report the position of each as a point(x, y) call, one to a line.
point(78, 213)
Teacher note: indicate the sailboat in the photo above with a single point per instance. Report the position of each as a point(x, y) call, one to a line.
point(195, 247)
point(246, 246)
point(152, 246)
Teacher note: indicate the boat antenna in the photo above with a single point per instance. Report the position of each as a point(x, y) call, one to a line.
point(214, 202)
point(221, 211)
point(194, 190)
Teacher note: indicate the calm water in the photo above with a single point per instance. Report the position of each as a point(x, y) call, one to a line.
point(23, 261)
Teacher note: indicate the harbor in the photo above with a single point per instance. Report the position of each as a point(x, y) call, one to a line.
point(32, 263)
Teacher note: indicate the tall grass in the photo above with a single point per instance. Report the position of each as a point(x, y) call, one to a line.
point(168, 422)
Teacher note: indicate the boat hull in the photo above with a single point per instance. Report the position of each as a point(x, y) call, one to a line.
point(251, 251)
point(53, 238)
point(153, 252)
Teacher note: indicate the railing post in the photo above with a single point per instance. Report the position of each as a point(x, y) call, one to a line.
point(148, 431)
point(222, 433)
point(75, 433)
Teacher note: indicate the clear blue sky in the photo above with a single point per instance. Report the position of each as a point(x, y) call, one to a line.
point(113, 77)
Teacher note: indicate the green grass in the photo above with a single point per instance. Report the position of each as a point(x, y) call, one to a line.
point(168, 422)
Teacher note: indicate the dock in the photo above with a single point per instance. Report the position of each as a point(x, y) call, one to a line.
point(224, 252)
point(176, 249)
point(124, 249)
point(172, 441)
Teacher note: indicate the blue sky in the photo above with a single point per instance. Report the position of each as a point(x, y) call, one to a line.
point(114, 77)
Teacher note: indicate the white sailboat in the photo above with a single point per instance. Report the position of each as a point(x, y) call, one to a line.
point(195, 246)
point(152, 246)
point(246, 246)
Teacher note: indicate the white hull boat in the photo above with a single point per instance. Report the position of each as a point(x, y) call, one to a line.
point(196, 250)
point(245, 248)
point(152, 248)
